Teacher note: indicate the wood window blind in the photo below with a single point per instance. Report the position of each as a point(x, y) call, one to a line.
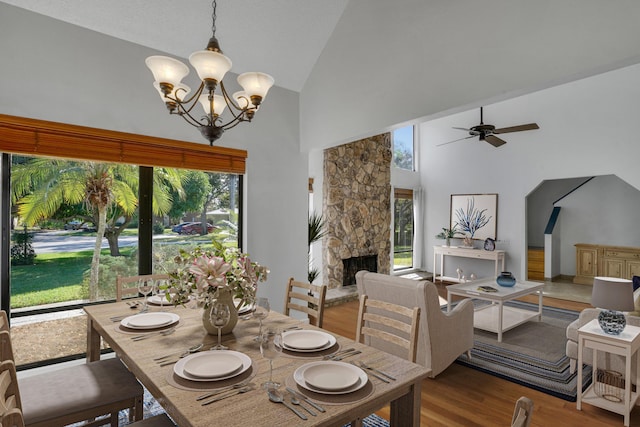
point(402, 193)
point(20, 135)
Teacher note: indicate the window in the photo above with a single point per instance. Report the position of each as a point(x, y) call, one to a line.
point(403, 223)
point(63, 241)
point(402, 140)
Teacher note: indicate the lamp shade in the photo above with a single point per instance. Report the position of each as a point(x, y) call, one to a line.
point(612, 293)
point(210, 64)
point(256, 84)
point(218, 104)
point(167, 70)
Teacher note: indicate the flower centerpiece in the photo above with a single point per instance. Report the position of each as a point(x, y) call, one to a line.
point(217, 274)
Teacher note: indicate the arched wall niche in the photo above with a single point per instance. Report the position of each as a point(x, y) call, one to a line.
point(600, 210)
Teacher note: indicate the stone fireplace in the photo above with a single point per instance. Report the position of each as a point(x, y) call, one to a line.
point(357, 208)
point(351, 266)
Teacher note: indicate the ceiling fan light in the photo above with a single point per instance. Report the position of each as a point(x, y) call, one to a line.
point(210, 65)
point(218, 104)
point(167, 70)
point(179, 91)
point(256, 84)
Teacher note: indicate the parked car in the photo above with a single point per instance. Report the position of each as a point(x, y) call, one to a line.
point(195, 228)
point(73, 225)
point(178, 227)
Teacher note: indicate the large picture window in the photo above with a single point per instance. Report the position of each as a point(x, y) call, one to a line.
point(59, 203)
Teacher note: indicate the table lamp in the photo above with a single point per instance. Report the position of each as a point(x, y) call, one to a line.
point(613, 295)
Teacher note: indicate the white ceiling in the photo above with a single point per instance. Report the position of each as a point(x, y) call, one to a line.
point(280, 37)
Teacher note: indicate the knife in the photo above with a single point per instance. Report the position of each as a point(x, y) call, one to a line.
point(306, 399)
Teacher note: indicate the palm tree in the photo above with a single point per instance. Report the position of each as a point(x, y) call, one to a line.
point(42, 185)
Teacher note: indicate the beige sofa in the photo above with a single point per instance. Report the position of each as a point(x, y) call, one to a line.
point(442, 337)
point(605, 360)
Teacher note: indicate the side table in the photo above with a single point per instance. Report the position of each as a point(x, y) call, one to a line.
point(625, 344)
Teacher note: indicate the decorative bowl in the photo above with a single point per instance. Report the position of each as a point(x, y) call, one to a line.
point(506, 279)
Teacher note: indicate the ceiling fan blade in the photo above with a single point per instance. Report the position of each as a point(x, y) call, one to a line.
point(529, 126)
point(456, 140)
point(494, 140)
point(465, 129)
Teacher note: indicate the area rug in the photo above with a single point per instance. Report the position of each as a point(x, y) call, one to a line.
point(532, 354)
point(152, 407)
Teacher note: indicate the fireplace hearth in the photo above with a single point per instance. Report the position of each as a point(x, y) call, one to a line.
point(351, 266)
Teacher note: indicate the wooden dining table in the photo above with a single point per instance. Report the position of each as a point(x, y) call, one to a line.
point(252, 408)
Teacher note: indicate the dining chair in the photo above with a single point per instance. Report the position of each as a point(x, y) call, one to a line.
point(522, 412)
point(11, 404)
point(12, 418)
point(381, 324)
point(306, 298)
point(128, 285)
point(85, 392)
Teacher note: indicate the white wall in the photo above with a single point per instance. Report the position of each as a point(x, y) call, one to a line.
point(60, 72)
point(587, 127)
point(393, 62)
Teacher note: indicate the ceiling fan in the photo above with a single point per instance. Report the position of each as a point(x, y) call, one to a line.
point(488, 132)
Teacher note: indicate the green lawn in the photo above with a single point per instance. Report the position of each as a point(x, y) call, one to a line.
point(57, 277)
point(53, 278)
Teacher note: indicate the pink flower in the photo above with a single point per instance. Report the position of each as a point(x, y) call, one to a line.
point(210, 271)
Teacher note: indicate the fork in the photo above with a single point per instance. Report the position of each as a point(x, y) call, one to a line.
point(151, 334)
point(371, 368)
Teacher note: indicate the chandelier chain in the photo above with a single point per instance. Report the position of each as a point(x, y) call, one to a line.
point(213, 18)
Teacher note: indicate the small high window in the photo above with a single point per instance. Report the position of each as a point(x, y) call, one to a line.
point(402, 140)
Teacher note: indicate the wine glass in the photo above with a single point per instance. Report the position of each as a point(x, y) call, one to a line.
point(250, 303)
point(145, 287)
point(160, 288)
point(219, 317)
point(261, 311)
point(270, 348)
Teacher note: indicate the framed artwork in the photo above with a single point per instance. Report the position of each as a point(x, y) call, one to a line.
point(475, 215)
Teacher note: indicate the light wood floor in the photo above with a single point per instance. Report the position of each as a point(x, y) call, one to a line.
point(461, 396)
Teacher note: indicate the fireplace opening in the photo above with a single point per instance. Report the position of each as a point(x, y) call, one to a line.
point(351, 266)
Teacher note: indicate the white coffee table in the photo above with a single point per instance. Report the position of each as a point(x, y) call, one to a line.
point(496, 317)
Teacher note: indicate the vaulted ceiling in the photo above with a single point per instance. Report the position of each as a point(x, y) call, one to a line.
point(279, 37)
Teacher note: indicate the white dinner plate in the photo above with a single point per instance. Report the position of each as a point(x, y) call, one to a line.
point(212, 364)
point(244, 309)
point(331, 343)
point(305, 340)
point(149, 320)
point(329, 377)
point(178, 368)
point(158, 300)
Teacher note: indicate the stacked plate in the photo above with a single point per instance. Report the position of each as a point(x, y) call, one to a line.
point(307, 340)
point(244, 308)
point(214, 365)
point(158, 300)
point(328, 377)
point(150, 320)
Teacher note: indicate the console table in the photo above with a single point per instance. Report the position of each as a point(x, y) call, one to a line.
point(497, 256)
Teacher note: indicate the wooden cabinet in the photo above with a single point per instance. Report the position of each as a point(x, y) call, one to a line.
point(609, 261)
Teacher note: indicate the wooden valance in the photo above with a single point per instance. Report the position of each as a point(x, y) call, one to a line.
point(403, 193)
point(33, 137)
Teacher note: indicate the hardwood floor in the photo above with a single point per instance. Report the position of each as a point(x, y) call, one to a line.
point(462, 396)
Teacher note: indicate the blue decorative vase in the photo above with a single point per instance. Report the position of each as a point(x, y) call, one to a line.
point(506, 279)
point(612, 322)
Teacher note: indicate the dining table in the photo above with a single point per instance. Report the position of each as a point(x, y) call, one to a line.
point(141, 350)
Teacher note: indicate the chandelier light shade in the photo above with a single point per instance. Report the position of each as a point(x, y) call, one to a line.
point(211, 66)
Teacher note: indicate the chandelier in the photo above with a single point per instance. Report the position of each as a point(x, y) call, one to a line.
point(211, 66)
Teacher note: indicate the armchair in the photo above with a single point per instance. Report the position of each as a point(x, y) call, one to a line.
point(442, 337)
